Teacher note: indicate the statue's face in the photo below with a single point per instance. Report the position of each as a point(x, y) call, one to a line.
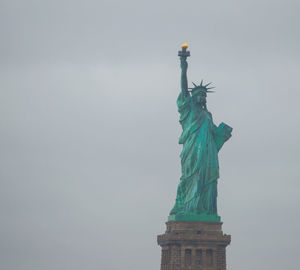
point(200, 98)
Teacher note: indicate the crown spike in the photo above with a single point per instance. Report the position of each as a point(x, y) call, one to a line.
point(201, 82)
point(194, 84)
point(207, 84)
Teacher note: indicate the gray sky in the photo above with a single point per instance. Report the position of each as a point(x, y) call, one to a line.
point(89, 128)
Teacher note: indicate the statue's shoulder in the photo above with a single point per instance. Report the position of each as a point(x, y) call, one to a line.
point(208, 113)
point(183, 100)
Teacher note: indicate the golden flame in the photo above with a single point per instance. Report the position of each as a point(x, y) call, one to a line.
point(184, 45)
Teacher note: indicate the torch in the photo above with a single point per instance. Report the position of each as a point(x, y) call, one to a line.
point(184, 52)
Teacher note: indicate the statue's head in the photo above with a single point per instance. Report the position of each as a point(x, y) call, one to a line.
point(199, 93)
point(199, 97)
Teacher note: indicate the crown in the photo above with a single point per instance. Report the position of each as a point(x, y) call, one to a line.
point(201, 88)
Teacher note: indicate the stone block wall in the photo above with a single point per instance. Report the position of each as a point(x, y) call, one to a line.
point(192, 245)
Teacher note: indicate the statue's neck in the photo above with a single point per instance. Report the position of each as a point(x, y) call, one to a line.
point(199, 107)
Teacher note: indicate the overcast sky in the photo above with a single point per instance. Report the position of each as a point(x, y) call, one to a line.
point(89, 128)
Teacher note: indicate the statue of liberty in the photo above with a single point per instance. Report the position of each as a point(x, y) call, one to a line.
point(196, 198)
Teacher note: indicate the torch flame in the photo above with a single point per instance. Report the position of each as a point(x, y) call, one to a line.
point(184, 45)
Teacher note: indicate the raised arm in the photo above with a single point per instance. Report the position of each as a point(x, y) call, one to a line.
point(184, 54)
point(184, 83)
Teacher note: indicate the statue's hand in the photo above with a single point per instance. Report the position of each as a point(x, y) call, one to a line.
point(183, 63)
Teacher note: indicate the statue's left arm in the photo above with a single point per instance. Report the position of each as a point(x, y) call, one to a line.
point(222, 134)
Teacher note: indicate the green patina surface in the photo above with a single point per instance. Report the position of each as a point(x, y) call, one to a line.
point(196, 198)
point(194, 217)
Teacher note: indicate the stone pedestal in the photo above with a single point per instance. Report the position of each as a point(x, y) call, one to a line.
point(193, 245)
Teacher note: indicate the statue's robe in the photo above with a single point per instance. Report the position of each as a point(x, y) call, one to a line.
point(201, 139)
